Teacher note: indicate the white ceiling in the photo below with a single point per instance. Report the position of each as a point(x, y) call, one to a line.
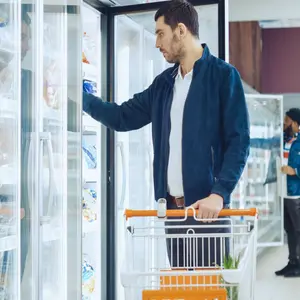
point(291, 101)
point(248, 10)
point(260, 10)
point(287, 23)
point(270, 13)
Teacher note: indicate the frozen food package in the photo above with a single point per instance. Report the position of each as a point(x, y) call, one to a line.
point(7, 28)
point(90, 156)
point(88, 278)
point(53, 68)
point(6, 76)
point(52, 85)
point(7, 145)
point(6, 38)
point(89, 87)
point(89, 50)
point(89, 205)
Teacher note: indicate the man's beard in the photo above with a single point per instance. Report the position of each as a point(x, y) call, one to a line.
point(288, 133)
point(177, 49)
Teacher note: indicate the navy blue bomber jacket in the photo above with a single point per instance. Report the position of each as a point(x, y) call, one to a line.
point(215, 132)
point(293, 182)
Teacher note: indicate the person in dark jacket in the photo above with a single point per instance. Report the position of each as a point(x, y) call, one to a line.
point(199, 117)
point(26, 85)
point(292, 205)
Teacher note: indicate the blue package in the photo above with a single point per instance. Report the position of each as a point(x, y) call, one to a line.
point(90, 87)
point(3, 22)
point(90, 156)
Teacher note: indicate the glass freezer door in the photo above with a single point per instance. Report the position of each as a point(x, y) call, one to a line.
point(52, 125)
point(261, 183)
point(10, 163)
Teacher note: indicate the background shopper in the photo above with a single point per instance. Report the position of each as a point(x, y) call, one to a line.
point(292, 206)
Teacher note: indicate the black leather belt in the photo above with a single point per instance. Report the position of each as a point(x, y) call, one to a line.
point(178, 201)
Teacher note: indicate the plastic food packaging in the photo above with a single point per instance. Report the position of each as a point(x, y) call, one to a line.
point(7, 146)
point(89, 49)
point(89, 207)
point(90, 156)
point(88, 279)
point(6, 76)
point(90, 87)
point(6, 41)
point(51, 87)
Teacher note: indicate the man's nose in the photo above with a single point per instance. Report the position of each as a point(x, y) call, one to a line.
point(157, 44)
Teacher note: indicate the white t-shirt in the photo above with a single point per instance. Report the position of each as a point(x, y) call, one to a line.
point(181, 88)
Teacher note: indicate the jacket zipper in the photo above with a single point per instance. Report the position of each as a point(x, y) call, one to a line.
point(183, 114)
point(212, 158)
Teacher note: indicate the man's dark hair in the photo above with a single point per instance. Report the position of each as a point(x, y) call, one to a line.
point(180, 11)
point(294, 114)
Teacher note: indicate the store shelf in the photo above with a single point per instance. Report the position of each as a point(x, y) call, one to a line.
point(89, 125)
point(74, 137)
point(8, 243)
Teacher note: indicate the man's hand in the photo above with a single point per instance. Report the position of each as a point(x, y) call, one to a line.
point(210, 207)
point(288, 170)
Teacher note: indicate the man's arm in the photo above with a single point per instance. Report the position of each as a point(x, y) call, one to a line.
point(130, 115)
point(236, 134)
point(293, 168)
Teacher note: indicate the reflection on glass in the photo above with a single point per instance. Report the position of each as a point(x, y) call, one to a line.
point(259, 185)
point(51, 164)
point(10, 213)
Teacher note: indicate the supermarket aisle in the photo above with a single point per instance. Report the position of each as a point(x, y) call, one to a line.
point(270, 287)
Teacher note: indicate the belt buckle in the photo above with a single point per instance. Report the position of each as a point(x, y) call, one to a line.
point(179, 202)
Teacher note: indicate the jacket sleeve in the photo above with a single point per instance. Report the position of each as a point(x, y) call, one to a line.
point(236, 134)
point(130, 115)
point(294, 158)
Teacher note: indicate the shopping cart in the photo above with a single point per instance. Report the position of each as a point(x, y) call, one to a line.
point(205, 260)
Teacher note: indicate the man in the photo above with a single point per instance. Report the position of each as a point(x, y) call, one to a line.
point(288, 137)
point(27, 123)
point(198, 113)
point(292, 205)
point(6, 84)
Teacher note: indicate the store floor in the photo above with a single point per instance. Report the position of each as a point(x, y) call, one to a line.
point(270, 287)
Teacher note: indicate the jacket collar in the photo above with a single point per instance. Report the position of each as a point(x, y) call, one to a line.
point(172, 72)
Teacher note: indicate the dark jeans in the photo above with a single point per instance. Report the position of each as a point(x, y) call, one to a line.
point(196, 252)
point(292, 227)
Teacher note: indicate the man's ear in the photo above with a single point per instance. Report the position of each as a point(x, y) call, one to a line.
point(182, 30)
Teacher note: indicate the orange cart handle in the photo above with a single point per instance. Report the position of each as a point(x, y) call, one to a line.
point(131, 213)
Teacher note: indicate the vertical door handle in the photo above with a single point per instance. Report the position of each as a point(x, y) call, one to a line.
point(52, 185)
point(120, 146)
point(150, 191)
point(45, 216)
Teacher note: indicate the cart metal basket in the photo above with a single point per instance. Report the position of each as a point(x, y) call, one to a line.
point(189, 259)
